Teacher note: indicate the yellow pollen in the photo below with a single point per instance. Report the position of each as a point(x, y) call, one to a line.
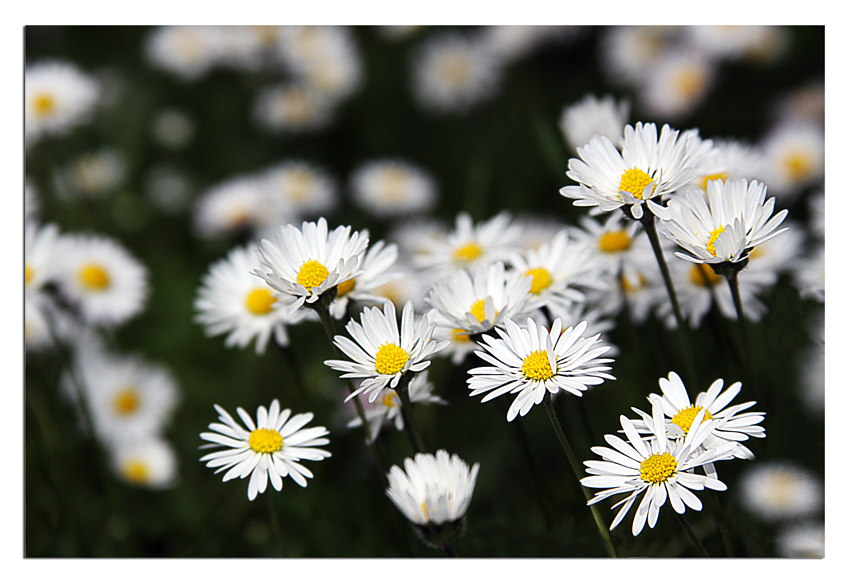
point(126, 402)
point(658, 468)
point(635, 182)
point(29, 273)
point(390, 359)
point(344, 287)
point(689, 82)
point(259, 301)
point(704, 276)
point(536, 366)
point(460, 335)
point(93, 277)
point(264, 440)
point(540, 279)
point(719, 176)
point(756, 252)
point(388, 399)
point(136, 472)
point(424, 508)
point(713, 236)
point(615, 241)
point(312, 274)
point(468, 252)
point(628, 287)
point(43, 104)
point(477, 310)
point(798, 165)
point(685, 417)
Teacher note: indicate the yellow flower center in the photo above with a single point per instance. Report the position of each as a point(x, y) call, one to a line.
point(628, 287)
point(615, 241)
point(29, 273)
point(689, 82)
point(424, 508)
point(392, 184)
point(540, 279)
point(635, 181)
point(388, 399)
point(798, 165)
point(536, 366)
point(705, 179)
point(468, 252)
point(312, 274)
point(300, 182)
point(658, 468)
point(136, 471)
point(93, 277)
point(781, 489)
point(704, 276)
point(264, 440)
point(344, 287)
point(43, 104)
point(712, 238)
point(259, 301)
point(477, 310)
point(460, 335)
point(685, 417)
point(454, 69)
point(390, 359)
point(126, 401)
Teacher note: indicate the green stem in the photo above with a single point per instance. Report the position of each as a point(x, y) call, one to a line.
point(721, 524)
point(603, 530)
point(407, 412)
point(648, 222)
point(692, 536)
point(732, 279)
point(536, 483)
point(278, 534)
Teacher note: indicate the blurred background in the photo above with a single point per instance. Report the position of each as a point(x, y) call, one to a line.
point(184, 113)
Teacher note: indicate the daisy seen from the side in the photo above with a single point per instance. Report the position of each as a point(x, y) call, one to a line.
point(267, 450)
point(536, 360)
point(382, 351)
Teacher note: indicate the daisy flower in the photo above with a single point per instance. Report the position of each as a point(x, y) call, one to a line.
point(268, 450)
point(393, 187)
point(802, 541)
point(649, 167)
point(292, 107)
point(93, 174)
point(233, 300)
point(469, 244)
point(432, 488)
point(593, 116)
point(658, 469)
point(478, 302)
point(188, 52)
point(234, 205)
point(57, 97)
point(680, 411)
point(107, 284)
point(795, 155)
point(325, 57)
point(150, 462)
point(780, 490)
point(679, 83)
point(366, 286)
point(730, 159)
point(383, 352)
point(629, 53)
point(725, 225)
point(387, 409)
point(810, 277)
point(301, 188)
point(618, 247)
point(302, 264)
point(452, 73)
point(40, 244)
point(129, 399)
point(729, 42)
point(37, 332)
point(535, 360)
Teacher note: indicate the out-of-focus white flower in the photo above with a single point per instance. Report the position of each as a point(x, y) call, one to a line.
point(728, 159)
point(393, 187)
point(236, 204)
point(57, 97)
point(794, 155)
point(172, 128)
point(780, 490)
point(730, 42)
point(301, 189)
point(513, 42)
point(800, 541)
point(593, 116)
point(629, 53)
point(678, 85)
point(93, 174)
point(40, 258)
point(292, 107)
point(188, 52)
point(168, 189)
point(325, 57)
point(150, 462)
point(377, 262)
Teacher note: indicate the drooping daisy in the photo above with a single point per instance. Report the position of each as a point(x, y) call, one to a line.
point(292, 107)
point(304, 263)
point(377, 262)
point(234, 205)
point(129, 399)
point(387, 409)
point(680, 411)
point(725, 225)
point(795, 154)
point(105, 282)
point(57, 97)
point(781, 490)
point(593, 116)
point(658, 469)
point(268, 450)
point(469, 244)
point(679, 83)
point(233, 300)
point(452, 73)
point(40, 244)
point(535, 360)
point(393, 187)
point(649, 167)
point(188, 52)
point(150, 462)
point(477, 302)
point(432, 488)
point(302, 188)
point(381, 352)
